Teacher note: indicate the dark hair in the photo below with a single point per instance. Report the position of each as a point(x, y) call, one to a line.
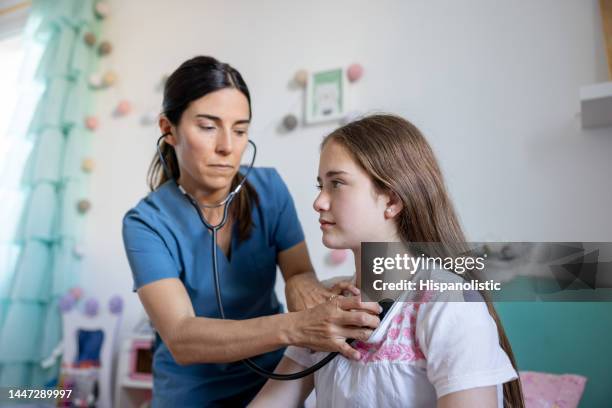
point(398, 158)
point(192, 80)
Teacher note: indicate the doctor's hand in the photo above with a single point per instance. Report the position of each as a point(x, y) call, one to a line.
point(304, 291)
point(327, 326)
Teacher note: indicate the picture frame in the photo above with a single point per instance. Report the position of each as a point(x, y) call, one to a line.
point(325, 95)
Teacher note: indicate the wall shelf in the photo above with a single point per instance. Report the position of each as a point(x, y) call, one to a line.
point(596, 105)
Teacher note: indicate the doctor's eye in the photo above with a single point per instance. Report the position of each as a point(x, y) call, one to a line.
point(336, 183)
point(241, 132)
point(207, 128)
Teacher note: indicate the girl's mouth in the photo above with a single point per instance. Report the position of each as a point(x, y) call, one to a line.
point(326, 224)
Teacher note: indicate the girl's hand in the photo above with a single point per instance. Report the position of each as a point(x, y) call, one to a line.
point(304, 291)
point(327, 326)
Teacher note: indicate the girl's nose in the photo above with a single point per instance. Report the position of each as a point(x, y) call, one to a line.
point(321, 203)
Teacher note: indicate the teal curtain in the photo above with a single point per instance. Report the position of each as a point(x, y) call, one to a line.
point(42, 225)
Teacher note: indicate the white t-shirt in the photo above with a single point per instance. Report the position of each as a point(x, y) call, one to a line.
point(420, 352)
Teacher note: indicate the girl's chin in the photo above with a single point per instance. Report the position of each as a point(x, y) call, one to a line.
point(332, 242)
point(329, 242)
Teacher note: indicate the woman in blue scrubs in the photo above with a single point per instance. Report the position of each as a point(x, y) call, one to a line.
point(196, 363)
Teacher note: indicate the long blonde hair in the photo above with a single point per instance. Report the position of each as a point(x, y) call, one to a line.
point(398, 159)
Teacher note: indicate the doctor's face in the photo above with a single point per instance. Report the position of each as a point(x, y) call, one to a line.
point(210, 139)
point(350, 210)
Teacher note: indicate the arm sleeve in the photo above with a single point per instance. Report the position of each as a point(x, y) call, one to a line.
point(147, 254)
point(300, 355)
point(461, 344)
point(287, 230)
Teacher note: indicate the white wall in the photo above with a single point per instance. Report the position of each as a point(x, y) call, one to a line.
point(493, 84)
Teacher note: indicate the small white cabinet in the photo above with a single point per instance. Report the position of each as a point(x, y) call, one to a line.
point(133, 387)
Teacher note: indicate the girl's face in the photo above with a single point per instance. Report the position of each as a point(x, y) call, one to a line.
point(210, 139)
point(350, 210)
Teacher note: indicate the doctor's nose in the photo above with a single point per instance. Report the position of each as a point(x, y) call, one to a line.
point(224, 143)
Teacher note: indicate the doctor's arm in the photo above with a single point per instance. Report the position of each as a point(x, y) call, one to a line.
point(302, 287)
point(193, 339)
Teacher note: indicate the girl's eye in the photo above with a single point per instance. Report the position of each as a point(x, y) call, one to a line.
point(334, 183)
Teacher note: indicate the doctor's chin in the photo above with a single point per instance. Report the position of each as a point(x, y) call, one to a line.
point(305, 204)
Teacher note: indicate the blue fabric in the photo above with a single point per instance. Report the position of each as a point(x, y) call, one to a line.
point(90, 346)
point(164, 238)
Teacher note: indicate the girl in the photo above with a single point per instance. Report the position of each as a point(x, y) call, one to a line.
point(379, 181)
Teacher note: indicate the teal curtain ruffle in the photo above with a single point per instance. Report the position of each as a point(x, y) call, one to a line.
point(38, 263)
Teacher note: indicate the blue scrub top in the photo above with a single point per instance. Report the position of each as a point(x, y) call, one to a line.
point(164, 238)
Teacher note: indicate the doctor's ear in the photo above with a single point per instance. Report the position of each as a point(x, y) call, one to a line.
point(167, 128)
point(394, 205)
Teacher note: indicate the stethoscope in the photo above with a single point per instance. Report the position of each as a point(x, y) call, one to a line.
point(214, 229)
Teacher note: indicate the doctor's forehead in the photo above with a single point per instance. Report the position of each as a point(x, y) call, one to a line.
point(227, 105)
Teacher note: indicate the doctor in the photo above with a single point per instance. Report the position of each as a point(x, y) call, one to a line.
point(206, 116)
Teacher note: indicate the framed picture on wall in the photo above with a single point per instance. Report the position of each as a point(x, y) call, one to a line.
point(325, 95)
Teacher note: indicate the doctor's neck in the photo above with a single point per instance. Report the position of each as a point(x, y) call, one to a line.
point(204, 196)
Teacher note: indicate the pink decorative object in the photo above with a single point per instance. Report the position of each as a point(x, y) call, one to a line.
point(76, 292)
point(102, 9)
point(123, 108)
point(354, 72)
point(542, 390)
point(338, 256)
point(91, 122)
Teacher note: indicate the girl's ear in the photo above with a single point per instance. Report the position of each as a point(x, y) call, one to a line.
point(394, 205)
point(165, 126)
